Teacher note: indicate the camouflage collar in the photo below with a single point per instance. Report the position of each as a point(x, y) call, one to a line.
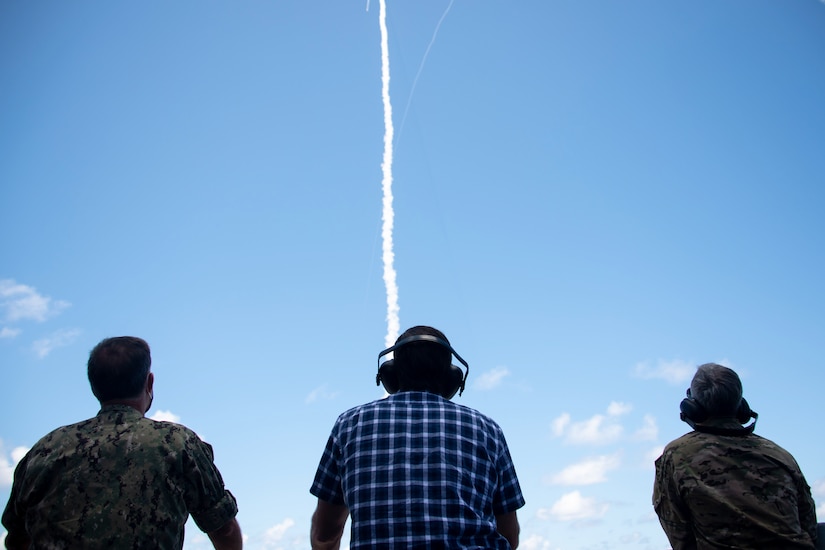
point(125, 409)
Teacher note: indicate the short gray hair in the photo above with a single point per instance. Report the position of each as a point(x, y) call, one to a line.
point(717, 388)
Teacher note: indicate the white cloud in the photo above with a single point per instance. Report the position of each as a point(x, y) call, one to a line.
point(274, 534)
point(573, 506)
point(22, 302)
point(491, 379)
point(588, 471)
point(7, 466)
point(560, 424)
point(18, 453)
point(166, 416)
point(7, 332)
point(598, 430)
point(618, 409)
point(649, 430)
point(320, 393)
point(672, 372)
point(536, 542)
point(196, 539)
point(57, 339)
point(651, 455)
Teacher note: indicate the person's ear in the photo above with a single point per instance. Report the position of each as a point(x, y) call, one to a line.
point(150, 383)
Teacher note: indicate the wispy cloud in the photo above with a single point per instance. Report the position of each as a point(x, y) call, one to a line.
point(617, 408)
point(274, 534)
point(649, 431)
point(600, 429)
point(587, 472)
point(673, 372)
point(491, 379)
point(57, 339)
point(166, 416)
point(535, 542)
point(651, 455)
point(6, 332)
point(320, 393)
point(572, 507)
point(21, 302)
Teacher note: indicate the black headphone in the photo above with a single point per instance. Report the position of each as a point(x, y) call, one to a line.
point(455, 378)
point(693, 412)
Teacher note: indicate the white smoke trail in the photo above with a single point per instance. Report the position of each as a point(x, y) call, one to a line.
point(387, 216)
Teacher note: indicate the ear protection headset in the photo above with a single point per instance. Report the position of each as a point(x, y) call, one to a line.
point(454, 379)
point(693, 412)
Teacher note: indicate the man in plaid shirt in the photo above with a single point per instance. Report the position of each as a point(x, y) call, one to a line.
point(416, 470)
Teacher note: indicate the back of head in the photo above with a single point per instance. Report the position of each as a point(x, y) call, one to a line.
point(118, 367)
point(422, 365)
point(718, 389)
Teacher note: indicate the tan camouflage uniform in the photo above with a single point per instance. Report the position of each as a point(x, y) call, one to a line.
point(715, 491)
point(117, 480)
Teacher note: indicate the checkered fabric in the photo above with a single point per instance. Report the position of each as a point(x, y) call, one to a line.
point(419, 471)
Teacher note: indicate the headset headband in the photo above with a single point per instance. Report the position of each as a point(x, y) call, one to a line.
point(424, 338)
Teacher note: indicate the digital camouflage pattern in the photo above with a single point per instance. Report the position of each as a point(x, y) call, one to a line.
point(715, 491)
point(117, 480)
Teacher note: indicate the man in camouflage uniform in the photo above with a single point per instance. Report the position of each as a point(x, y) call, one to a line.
point(721, 486)
point(119, 480)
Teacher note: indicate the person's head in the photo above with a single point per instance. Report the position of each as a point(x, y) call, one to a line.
point(118, 369)
point(718, 389)
point(422, 365)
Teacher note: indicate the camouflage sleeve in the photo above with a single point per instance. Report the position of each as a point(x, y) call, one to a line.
point(673, 514)
point(14, 519)
point(210, 504)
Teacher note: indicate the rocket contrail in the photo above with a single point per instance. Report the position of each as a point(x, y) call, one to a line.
point(421, 68)
point(387, 216)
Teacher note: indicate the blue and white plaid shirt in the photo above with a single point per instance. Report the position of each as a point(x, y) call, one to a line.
point(419, 471)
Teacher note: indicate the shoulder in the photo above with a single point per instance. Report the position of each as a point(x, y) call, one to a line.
point(476, 416)
point(358, 410)
point(773, 449)
point(170, 433)
point(686, 446)
point(61, 435)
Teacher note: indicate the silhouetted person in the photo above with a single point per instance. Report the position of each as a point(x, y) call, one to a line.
point(119, 480)
point(721, 485)
point(416, 470)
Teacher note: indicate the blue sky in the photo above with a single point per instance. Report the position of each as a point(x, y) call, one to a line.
point(590, 199)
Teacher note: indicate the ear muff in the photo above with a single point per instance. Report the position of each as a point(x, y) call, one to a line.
point(388, 375)
point(690, 409)
point(454, 379)
point(455, 382)
point(692, 412)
